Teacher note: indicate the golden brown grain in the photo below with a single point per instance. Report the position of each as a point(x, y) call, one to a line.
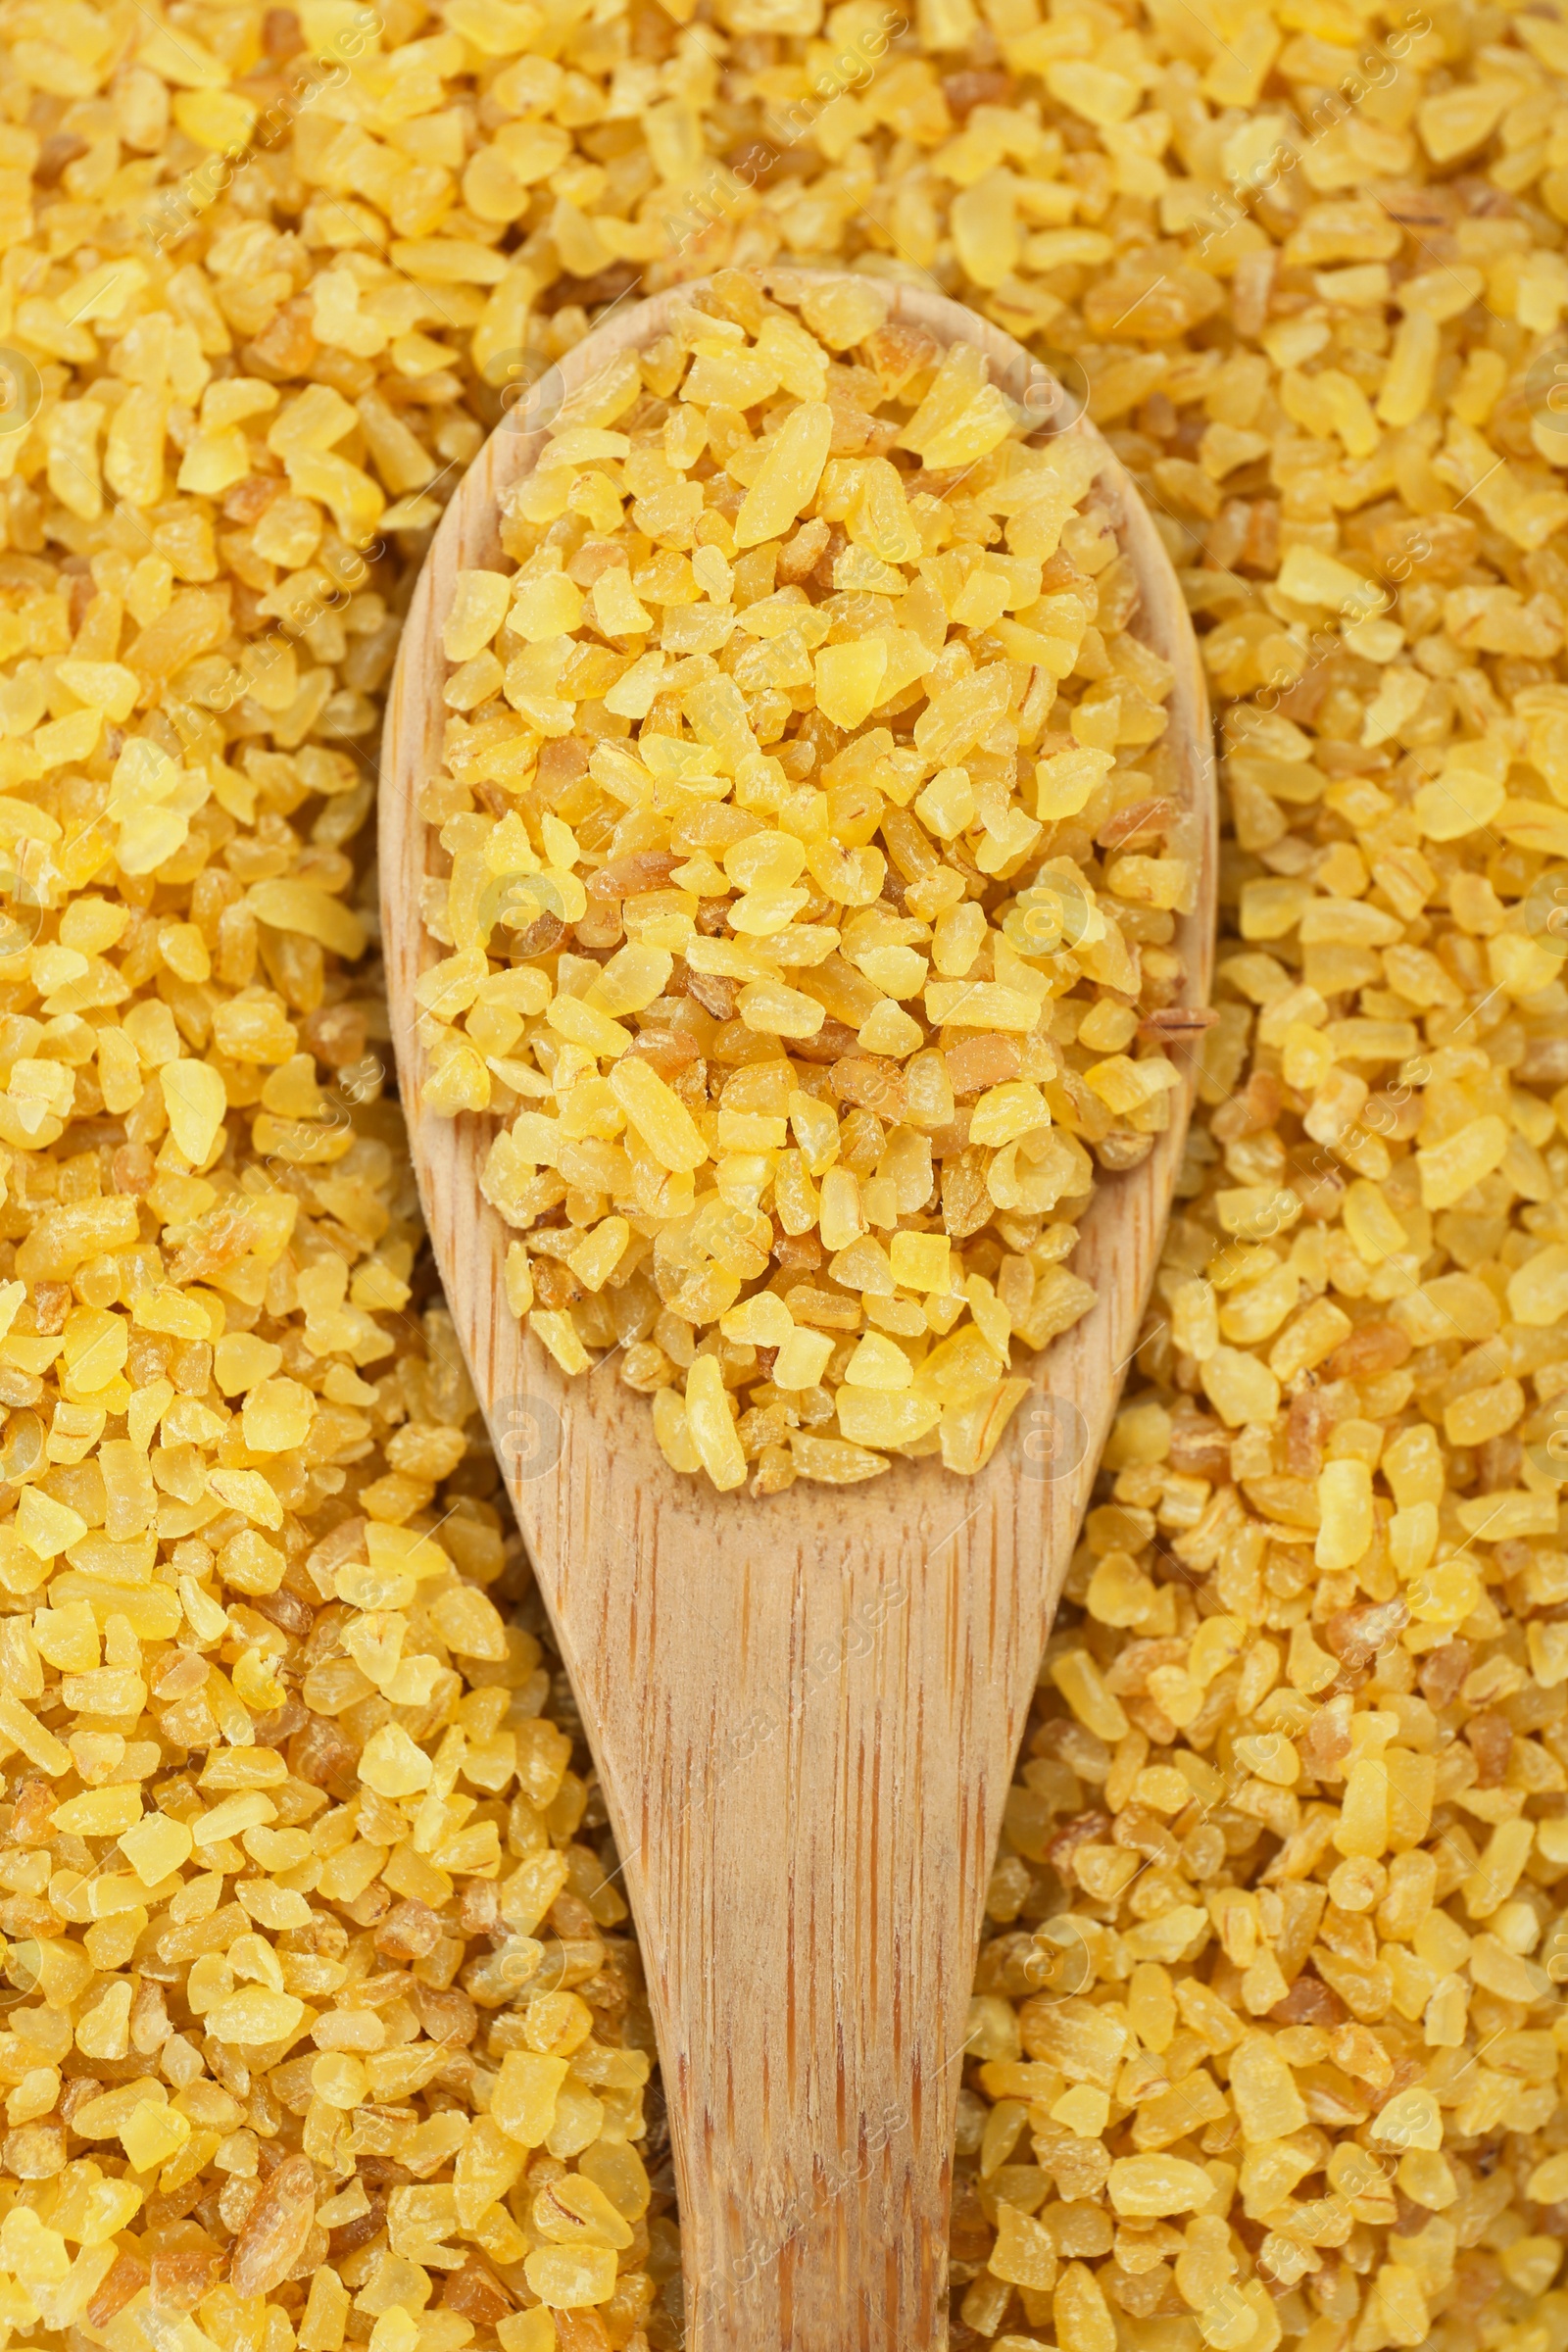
point(775, 938)
point(1268, 2039)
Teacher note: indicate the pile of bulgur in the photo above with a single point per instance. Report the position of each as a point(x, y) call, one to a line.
point(802, 1136)
point(342, 2037)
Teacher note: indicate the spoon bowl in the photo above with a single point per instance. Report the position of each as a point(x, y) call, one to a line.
point(804, 1710)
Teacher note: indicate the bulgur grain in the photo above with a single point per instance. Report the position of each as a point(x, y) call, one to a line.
point(269, 277)
point(852, 994)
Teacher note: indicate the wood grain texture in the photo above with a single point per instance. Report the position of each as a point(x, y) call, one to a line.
point(805, 1710)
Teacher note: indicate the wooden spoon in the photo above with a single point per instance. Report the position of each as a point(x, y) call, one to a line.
point(805, 1711)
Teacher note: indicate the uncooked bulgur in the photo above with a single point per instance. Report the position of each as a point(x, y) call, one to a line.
point(1267, 2038)
point(794, 1288)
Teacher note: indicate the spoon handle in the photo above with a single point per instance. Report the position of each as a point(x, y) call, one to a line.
point(808, 1800)
point(814, 2042)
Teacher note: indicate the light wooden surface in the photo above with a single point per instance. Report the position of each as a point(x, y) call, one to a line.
point(806, 1710)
